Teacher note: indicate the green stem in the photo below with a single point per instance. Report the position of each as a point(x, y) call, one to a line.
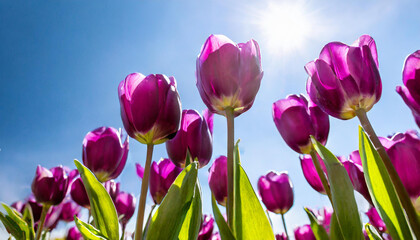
point(148, 221)
point(284, 226)
point(45, 209)
point(399, 187)
point(321, 174)
point(143, 193)
point(230, 166)
point(123, 231)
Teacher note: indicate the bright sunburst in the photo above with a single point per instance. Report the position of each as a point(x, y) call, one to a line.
point(286, 26)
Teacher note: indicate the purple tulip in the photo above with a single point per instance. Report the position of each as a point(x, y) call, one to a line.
point(404, 149)
point(281, 236)
point(19, 206)
point(53, 217)
point(150, 107)
point(68, 210)
point(74, 234)
point(345, 78)
point(216, 236)
point(218, 180)
point(139, 170)
point(410, 91)
point(355, 170)
point(104, 153)
point(35, 207)
point(297, 119)
point(323, 216)
point(310, 173)
point(113, 189)
point(50, 186)
point(209, 116)
point(162, 175)
point(375, 219)
point(228, 74)
point(304, 233)
point(125, 205)
point(276, 191)
point(206, 229)
point(78, 193)
point(193, 136)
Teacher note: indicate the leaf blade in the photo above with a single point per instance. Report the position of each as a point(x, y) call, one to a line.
point(318, 230)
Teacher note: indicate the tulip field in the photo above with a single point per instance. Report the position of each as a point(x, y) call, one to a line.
point(165, 156)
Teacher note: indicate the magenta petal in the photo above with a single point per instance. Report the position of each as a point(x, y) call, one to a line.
point(139, 170)
point(125, 205)
point(218, 179)
point(304, 233)
point(78, 193)
point(276, 191)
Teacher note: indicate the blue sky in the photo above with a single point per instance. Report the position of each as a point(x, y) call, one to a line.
point(61, 62)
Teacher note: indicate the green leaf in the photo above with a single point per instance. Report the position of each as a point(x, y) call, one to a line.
point(335, 231)
point(224, 230)
point(342, 194)
point(15, 217)
point(12, 227)
point(382, 190)
point(372, 233)
point(250, 220)
point(101, 205)
point(29, 219)
point(179, 215)
point(88, 231)
point(318, 229)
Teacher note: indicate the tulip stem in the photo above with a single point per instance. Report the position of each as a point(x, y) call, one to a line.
point(321, 174)
point(284, 226)
point(44, 212)
point(399, 187)
point(230, 165)
point(143, 193)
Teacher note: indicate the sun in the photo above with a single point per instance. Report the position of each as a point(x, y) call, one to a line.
point(286, 26)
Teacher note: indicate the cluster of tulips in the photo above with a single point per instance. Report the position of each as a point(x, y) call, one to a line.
point(344, 82)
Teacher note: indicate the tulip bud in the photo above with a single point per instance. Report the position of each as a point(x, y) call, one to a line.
point(228, 74)
point(276, 191)
point(150, 107)
point(404, 149)
point(297, 119)
point(74, 234)
point(125, 205)
point(113, 189)
point(310, 173)
point(162, 175)
point(411, 79)
point(281, 236)
point(69, 209)
point(104, 153)
point(345, 78)
point(218, 180)
point(206, 229)
point(50, 186)
point(375, 219)
point(78, 193)
point(355, 171)
point(193, 136)
point(304, 233)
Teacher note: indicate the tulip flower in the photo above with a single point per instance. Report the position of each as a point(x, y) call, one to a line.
point(345, 78)
point(304, 233)
point(206, 229)
point(162, 175)
point(297, 119)
point(228, 74)
point(411, 79)
point(35, 207)
point(50, 186)
point(113, 189)
point(125, 205)
point(218, 180)
point(404, 149)
point(310, 173)
point(375, 220)
point(150, 107)
point(69, 209)
point(355, 171)
point(53, 217)
point(193, 136)
point(74, 234)
point(323, 216)
point(281, 236)
point(104, 153)
point(276, 191)
point(78, 193)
